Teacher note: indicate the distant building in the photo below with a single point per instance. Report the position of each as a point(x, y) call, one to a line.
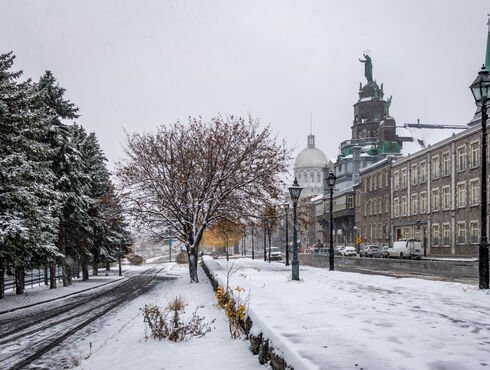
point(308, 169)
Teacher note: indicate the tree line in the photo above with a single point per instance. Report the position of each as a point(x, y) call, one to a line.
point(58, 205)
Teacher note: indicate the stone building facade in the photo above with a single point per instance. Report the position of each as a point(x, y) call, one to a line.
point(373, 203)
point(432, 195)
point(435, 196)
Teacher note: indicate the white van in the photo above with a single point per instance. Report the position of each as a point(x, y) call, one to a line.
point(410, 248)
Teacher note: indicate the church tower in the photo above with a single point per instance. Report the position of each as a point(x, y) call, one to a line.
point(373, 132)
point(370, 108)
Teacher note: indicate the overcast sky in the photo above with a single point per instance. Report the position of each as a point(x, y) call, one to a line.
point(137, 64)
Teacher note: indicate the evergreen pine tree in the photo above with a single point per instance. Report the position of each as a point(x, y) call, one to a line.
point(27, 197)
point(65, 162)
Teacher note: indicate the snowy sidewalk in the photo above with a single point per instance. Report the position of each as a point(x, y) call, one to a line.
point(120, 343)
point(343, 320)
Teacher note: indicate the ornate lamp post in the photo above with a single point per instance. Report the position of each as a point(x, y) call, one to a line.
point(227, 252)
point(355, 238)
point(286, 209)
point(295, 192)
point(253, 244)
point(331, 184)
point(481, 92)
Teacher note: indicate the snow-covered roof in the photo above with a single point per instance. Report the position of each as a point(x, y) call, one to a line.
point(377, 164)
point(318, 197)
point(423, 135)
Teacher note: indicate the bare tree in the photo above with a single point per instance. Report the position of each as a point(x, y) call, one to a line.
point(189, 176)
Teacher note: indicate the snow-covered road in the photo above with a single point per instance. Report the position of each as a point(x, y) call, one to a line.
point(34, 336)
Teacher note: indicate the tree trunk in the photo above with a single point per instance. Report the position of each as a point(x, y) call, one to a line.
point(95, 268)
point(52, 275)
point(69, 274)
point(2, 283)
point(19, 280)
point(84, 268)
point(192, 254)
point(78, 267)
point(46, 267)
point(107, 266)
point(64, 271)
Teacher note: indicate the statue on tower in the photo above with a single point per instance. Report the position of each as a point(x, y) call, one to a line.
point(368, 67)
point(387, 107)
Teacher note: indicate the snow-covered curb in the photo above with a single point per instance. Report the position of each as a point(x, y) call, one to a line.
point(263, 340)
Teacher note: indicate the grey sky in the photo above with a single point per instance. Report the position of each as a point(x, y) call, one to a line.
point(136, 64)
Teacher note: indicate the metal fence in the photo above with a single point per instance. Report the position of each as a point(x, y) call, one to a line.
point(32, 278)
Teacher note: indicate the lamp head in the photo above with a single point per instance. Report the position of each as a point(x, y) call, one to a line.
point(331, 180)
point(295, 191)
point(480, 88)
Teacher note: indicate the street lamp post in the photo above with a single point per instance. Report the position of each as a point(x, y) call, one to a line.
point(295, 192)
point(253, 243)
point(355, 238)
point(286, 209)
point(331, 184)
point(170, 248)
point(227, 251)
point(265, 243)
point(481, 92)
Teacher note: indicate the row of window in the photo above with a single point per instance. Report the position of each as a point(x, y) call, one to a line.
point(340, 203)
point(440, 199)
point(440, 165)
point(375, 232)
point(303, 177)
point(375, 206)
point(441, 234)
point(376, 181)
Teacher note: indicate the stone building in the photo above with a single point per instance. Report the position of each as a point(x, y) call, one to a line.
point(308, 169)
point(435, 195)
point(373, 203)
point(373, 138)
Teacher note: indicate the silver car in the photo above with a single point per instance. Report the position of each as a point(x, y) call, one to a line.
point(276, 254)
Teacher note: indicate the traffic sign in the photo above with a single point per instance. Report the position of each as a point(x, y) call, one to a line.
point(359, 240)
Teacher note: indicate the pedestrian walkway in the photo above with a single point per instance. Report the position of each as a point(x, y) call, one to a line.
point(344, 320)
point(120, 342)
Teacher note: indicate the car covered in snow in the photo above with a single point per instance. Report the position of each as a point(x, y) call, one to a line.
point(276, 254)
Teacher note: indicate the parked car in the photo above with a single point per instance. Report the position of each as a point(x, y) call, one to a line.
point(338, 251)
point(368, 250)
point(381, 252)
point(349, 251)
point(410, 248)
point(276, 254)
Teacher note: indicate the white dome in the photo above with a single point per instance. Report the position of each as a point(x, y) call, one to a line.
point(310, 157)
